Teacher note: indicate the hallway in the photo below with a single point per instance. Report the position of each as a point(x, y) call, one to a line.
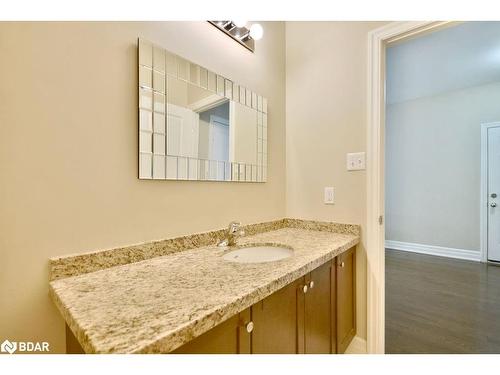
point(441, 305)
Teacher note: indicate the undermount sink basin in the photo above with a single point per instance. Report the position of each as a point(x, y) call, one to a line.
point(258, 254)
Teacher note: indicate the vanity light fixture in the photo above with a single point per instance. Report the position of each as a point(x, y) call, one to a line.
point(239, 31)
point(240, 23)
point(256, 31)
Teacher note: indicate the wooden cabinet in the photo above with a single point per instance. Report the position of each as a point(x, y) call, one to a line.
point(319, 311)
point(72, 344)
point(346, 299)
point(299, 318)
point(275, 322)
point(229, 337)
point(315, 314)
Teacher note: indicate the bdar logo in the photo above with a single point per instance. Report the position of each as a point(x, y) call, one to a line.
point(24, 346)
point(8, 347)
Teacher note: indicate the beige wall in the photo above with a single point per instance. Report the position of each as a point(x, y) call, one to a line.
point(433, 146)
point(326, 118)
point(68, 152)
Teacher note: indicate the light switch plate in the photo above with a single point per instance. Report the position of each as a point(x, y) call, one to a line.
point(356, 161)
point(329, 197)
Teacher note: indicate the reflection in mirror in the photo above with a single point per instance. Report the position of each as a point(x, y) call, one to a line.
point(195, 124)
point(199, 126)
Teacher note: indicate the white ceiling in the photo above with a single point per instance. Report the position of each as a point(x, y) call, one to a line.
point(454, 58)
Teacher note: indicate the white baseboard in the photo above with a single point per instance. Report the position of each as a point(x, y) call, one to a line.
point(357, 346)
point(434, 250)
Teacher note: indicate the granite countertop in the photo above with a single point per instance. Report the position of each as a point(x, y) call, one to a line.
point(158, 304)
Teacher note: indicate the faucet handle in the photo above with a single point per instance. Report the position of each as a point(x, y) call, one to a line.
point(223, 243)
point(234, 226)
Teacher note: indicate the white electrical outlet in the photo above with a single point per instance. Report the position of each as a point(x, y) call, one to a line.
point(356, 161)
point(329, 195)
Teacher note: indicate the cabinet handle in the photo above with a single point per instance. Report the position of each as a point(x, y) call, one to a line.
point(249, 327)
point(305, 288)
point(342, 265)
point(311, 284)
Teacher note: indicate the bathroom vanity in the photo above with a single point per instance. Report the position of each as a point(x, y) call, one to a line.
point(314, 314)
point(182, 295)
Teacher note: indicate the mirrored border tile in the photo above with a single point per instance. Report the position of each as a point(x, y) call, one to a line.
point(145, 120)
point(171, 167)
point(203, 78)
point(171, 63)
point(182, 167)
point(159, 167)
point(193, 166)
point(145, 99)
point(228, 89)
point(159, 59)
point(145, 77)
point(159, 122)
point(194, 74)
point(145, 53)
point(236, 92)
point(145, 165)
point(182, 69)
point(159, 82)
point(159, 104)
point(159, 144)
point(248, 98)
point(221, 87)
point(212, 81)
point(243, 93)
point(145, 141)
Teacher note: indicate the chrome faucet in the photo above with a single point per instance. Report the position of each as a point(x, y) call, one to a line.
point(233, 232)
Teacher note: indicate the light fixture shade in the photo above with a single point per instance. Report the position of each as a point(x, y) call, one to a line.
point(256, 31)
point(239, 34)
point(240, 23)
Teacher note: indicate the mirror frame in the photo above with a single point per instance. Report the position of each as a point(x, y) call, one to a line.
point(155, 65)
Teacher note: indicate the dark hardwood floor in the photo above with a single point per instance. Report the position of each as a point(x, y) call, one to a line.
point(440, 305)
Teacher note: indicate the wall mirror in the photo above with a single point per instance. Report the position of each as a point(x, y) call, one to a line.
point(195, 124)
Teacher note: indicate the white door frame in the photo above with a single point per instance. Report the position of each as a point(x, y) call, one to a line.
point(483, 222)
point(375, 233)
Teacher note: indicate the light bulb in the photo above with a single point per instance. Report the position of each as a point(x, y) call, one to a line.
point(256, 31)
point(240, 23)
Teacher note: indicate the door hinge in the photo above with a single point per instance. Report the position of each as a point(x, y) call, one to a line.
point(381, 220)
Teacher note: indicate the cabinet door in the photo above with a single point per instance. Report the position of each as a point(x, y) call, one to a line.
point(333, 305)
point(72, 344)
point(275, 327)
point(346, 299)
point(318, 311)
point(229, 337)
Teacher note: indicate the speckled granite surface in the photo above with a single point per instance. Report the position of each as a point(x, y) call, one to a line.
point(77, 264)
point(158, 304)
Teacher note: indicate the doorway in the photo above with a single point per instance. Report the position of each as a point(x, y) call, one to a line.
point(375, 235)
